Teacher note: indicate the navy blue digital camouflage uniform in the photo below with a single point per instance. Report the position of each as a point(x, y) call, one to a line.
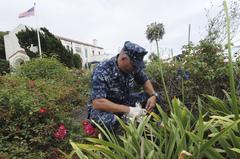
point(110, 83)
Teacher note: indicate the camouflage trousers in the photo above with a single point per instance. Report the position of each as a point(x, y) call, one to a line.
point(108, 119)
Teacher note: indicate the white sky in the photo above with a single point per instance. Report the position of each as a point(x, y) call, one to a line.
point(112, 22)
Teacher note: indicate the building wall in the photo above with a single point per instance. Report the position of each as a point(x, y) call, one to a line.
point(14, 53)
point(88, 53)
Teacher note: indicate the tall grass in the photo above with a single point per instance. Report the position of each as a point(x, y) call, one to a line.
point(230, 65)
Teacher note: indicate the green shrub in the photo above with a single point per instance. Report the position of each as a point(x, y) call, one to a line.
point(31, 112)
point(77, 61)
point(206, 73)
point(4, 67)
point(33, 106)
point(45, 68)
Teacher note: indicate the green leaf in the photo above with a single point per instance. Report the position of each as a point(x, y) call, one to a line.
point(212, 153)
point(117, 148)
point(78, 151)
point(150, 155)
point(235, 150)
point(208, 144)
point(218, 102)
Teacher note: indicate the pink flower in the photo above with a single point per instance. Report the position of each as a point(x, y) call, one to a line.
point(61, 132)
point(85, 122)
point(42, 110)
point(88, 128)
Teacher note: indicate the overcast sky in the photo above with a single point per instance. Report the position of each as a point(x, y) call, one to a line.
point(112, 22)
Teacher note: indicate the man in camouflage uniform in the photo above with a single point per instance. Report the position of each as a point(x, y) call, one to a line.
point(111, 84)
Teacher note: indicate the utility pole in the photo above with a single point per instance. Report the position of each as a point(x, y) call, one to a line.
point(189, 31)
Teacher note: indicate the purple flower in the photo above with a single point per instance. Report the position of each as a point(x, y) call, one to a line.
point(179, 71)
point(187, 75)
point(188, 105)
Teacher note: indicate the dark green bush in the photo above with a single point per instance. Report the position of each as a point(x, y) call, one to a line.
point(205, 68)
point(45, 68)
point(4, 67)
point(77, 61)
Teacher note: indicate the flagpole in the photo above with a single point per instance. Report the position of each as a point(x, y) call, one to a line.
point(39, 42)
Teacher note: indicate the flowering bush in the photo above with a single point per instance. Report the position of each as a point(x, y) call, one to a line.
point(199, 70)
point(36, 113)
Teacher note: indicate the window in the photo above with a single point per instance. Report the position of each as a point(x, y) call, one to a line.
point(93, 52)
point(78, 49)
point(67, 47)
point(86, 53)
point(99, 53)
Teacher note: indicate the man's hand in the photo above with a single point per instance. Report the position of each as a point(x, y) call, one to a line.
point(136, 111)
point(151, 102)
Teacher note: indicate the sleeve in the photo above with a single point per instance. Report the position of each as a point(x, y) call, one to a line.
point(140, 77)
point(99, 86)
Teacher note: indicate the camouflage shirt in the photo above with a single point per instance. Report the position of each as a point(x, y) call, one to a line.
point(111, 83)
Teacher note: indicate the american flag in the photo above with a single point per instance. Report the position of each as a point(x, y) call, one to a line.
point(28, 13)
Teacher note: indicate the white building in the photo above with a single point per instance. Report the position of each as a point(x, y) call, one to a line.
point(14, 53)
point(90, 53)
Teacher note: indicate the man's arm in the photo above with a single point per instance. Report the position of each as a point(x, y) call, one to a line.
point(151, 102)
point(106, 105)
point(148, 88)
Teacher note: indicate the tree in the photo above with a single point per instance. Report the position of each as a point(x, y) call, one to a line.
point(2, 48)
point(50, 45)
point(77, 61)
point(216, 27)
point(4, 67)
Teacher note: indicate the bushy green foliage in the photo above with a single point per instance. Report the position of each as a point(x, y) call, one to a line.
point(34, 103)
point(77, 61)
point(4, 67)
point(206, 69)
point(2, 48)
point(45, 68)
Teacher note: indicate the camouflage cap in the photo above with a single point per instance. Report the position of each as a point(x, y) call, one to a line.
point(136, 53)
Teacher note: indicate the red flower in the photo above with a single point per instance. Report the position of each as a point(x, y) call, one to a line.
point(42, 110)
point(85, 122)
point(88, 128)
point(61, 132)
